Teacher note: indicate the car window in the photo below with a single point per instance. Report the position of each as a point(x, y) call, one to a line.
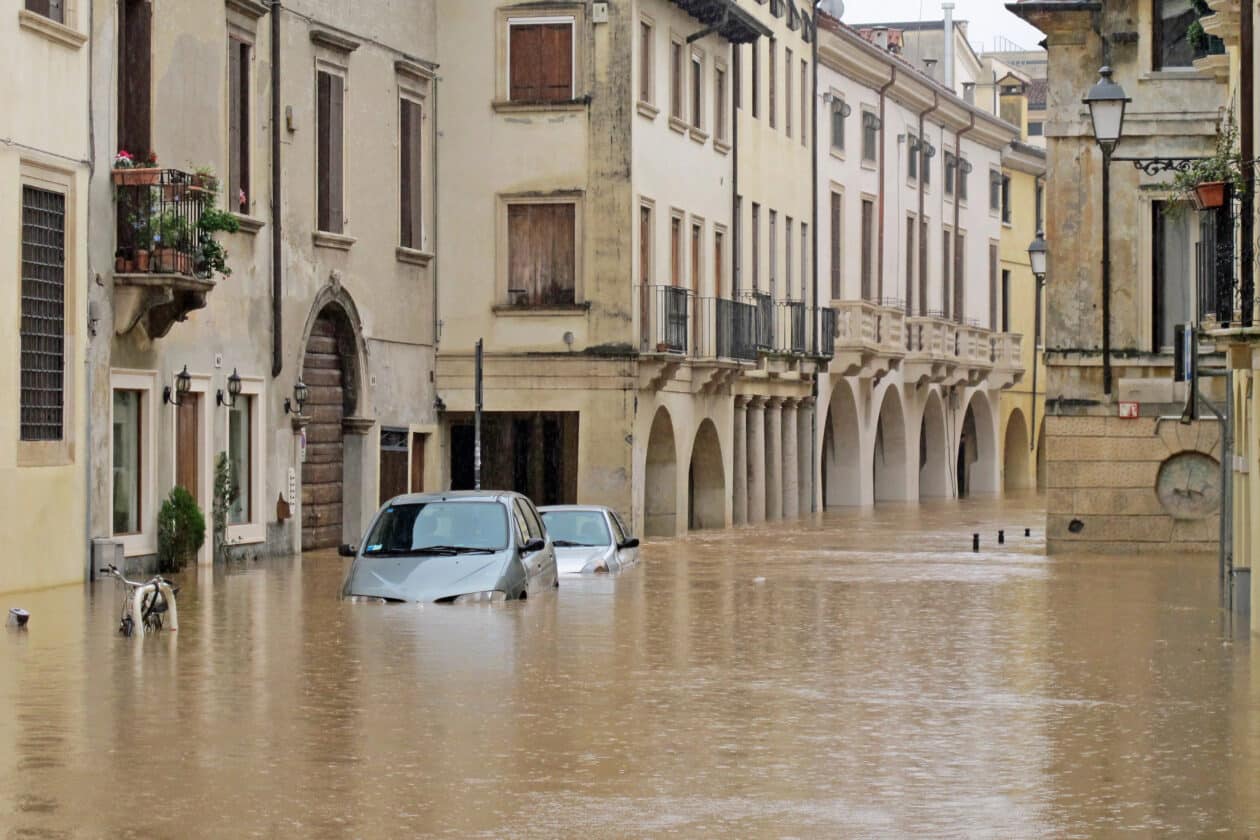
point(619, 536)
point(535, 523)
point(621, 524)
point(522, 524)
point(409, 527)
point(577, 527)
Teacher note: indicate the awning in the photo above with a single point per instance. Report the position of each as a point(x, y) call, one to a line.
point(725, 18)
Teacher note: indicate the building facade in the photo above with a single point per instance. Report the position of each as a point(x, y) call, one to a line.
point(1111, 460)
point(327, 114)
point(44, 178)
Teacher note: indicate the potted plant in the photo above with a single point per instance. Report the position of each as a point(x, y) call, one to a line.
point(132, 170)
point(211, 255)
point(1204, 182)
point(203, 180)
point(171, 243)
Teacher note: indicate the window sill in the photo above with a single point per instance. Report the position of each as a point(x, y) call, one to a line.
point(541, 310)
point(837, 153)
point(870, 165)
point(504, 106)
point(1180, 74)
point(698, 135)
point(679, 124)
point(412, 256)
point(721, 147)
point(48, 28)
point(249, 224)
point(338, 241)
point(647, 109)
point(247, 533)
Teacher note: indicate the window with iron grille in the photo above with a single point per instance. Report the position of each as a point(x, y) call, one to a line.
point(43, 329)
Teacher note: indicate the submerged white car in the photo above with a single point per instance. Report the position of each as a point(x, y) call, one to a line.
point(588, 538)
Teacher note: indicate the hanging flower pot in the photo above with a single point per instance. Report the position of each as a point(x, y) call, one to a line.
point(1209, 195)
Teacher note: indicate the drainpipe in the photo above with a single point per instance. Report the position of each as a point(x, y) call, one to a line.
point(813, 157)
point(88, 378)
point(1247, 150)
point(883, 177)
point(437, 322)
point(936, 103)
point(947, 305)
point(736, 239)
point(1038, 285)
point(277, 273)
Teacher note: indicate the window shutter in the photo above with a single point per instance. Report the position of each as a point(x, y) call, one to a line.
point(947, 269)
point(336, 175)
point(524, 44)
point(234, 184)
point(242, 52)
point(557, 52)
point(836, 292)
point(323, 98)
point(411, 183)
point(993, 286)
point(959, 277)
point(541, 252)
point(404, 174)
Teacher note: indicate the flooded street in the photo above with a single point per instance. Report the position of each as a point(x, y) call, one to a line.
point(858, 675)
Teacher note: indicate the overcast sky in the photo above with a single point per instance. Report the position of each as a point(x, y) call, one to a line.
point(986, 19)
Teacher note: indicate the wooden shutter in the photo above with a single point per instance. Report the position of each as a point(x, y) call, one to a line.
point(336, 176)
point(645, 62)
point(524, 72)
point(993, 286)
point(323, 98)
point(238, 125)
point(675, 251)
point(772, 44)
point(959, 277)
point(557, 46)
point(541, 62)
point(867, 212)
point(947, 269)
point(836, 269)
point(787, 91)
point(645, 245)
point(923, 266)
point(911, 224)
point(695, 258)
point(541, 252)
point(675, 79)
point(411, 187)
point(717, 264)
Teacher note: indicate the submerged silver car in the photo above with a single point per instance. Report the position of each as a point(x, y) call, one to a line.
point(457, 547)
point(588, 538)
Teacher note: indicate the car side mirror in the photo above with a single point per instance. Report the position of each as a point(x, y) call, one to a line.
point(347, 550)
point(530, 546)
point(631, 542)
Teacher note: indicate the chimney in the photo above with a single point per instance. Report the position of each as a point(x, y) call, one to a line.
point(880, 36)
point(948, 31)
point(929, 67)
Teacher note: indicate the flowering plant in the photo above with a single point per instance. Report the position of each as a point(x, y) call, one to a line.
point(124, 160)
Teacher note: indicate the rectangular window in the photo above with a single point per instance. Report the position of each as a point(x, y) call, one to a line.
point(773, 251)
point(1172, 280)
point(960, 274)
point(53, 9)
point(238, 126)
point(1006, 301)
point(805, 93)
point(787, 256)
point(541, 253)
point(43, 316)
point(646, 57)
point(926, 153)
point(1039, 198)
point(540, 60)
point(411, 189)
point(126, 461)
point(1171, 36)
point(241, 446)
point(756, 246)
point(963, 169)
point(923, 266)
point(675, 79)
point(950, 166)
point(737, 242)
point(912, 156)
point(697, 244)
point(868, 248)
point(719, 272)
point(645, 245)
point(330, 111)
point(1036, 128)
point(772, 79)
point(697, 89)
point(737, 80)
point(947, 270)
point(993, 286)
point(1006, 199)
point(995, 191)
point(837, 123)
point(804, 257)
point(837, 275)
point(787, 91)
point(756, 79)
point(719, 103)
point(911, 224)
point(870, 137)
point(675, 252)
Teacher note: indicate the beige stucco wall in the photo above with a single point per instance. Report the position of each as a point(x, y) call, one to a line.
point(46, 143)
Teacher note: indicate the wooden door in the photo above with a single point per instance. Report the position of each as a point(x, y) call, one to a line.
point(323, 468)
point(393, 463)
point(417, 462)
point(188, 445)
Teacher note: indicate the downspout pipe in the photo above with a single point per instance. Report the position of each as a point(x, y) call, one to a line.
point(736, 238)
point(1038, 286)
point(277, 271)
point(1246, 134)
point(936, 103)
point(813, 157)
point(883, 174)
point(947, 304)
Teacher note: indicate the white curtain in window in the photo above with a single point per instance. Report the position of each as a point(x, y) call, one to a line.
point(240, 444)
point(126, 462)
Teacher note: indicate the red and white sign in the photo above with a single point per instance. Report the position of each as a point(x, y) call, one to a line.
point(1128, 411)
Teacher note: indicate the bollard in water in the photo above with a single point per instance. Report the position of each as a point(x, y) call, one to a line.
point(975, 542)
point(1028, 532)
point(1001, 538)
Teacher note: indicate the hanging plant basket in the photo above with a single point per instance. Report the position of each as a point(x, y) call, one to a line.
point(1209, 195)
point(137, 176)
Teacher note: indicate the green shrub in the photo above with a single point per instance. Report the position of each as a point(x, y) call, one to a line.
point(181, 530)
point(226, 492)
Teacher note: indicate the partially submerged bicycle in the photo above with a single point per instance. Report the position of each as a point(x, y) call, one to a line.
point(145, 603)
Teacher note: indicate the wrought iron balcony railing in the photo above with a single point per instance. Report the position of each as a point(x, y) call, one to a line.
point(158, 220)
point(666, 320)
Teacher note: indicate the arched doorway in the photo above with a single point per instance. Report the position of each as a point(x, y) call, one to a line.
point(1041, 456)
point(977, 449)
point(933, 450)
point(706, 483)
point(329, 371)
point(1015, 460)
point(889, 467)
point(660, 481)
point(842, 450)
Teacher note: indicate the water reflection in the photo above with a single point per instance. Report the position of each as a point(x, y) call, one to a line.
point(862, 673)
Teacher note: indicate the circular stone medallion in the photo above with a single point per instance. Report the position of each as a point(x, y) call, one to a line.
point(1189, 485)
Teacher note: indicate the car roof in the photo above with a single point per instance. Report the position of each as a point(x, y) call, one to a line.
point(455, 496)
point(589, 508)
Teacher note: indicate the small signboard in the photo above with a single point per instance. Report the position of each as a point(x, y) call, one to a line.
point(302, 446)
point(1129, 410)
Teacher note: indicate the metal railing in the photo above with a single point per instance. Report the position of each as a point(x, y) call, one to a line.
point(827, 322)
point(763, 333)
point(158, 221)
point(665, 329)
point(790, 327)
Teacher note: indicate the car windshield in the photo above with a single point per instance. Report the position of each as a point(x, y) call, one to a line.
point(576, 527)
point(444, 526)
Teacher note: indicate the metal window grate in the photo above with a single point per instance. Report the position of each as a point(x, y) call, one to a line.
point(43, 314)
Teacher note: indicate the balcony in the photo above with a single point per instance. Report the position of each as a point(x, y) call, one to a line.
point(868, 338)
point(931, 349)
point(1226, 295)
point(973, 354)
point(161, 266)
point(1008, 363)
point(711, 338)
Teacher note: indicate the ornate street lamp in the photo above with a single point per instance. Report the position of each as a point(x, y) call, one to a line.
point(300, 395)
point(233, 390)
point(1037, 258)
point(1037, 253)
point(183, 381)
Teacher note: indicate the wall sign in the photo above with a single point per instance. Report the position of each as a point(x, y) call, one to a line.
point(1129, 410)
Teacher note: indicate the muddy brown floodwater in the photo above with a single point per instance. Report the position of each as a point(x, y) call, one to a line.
point(862, 674)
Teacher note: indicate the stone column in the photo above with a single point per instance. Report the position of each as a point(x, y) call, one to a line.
point(739, 482)
point(756, 456)
point(791, 463)
point(774, 458)
point(805, 439)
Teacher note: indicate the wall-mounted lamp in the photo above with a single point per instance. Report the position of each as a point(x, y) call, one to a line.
point(233, 391)
point(300, 394)
point(964, 166)
point(929, 151)
point(872, 121)
point(183, 381)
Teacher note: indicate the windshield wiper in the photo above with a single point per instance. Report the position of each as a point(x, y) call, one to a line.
point(571, 544)
point(387, 552)
point(451, 549)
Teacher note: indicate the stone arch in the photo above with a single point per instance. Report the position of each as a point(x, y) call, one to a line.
point(934, 450)
point(706, 480)
point(660, 481)
point(332, 369)
point(1041, 456)
point(977, 467)
point(889, 455)
point(842, 450)
point(1015, 454)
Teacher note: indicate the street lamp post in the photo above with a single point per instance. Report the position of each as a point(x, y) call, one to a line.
point(1106, 101)
point(1037, 253)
